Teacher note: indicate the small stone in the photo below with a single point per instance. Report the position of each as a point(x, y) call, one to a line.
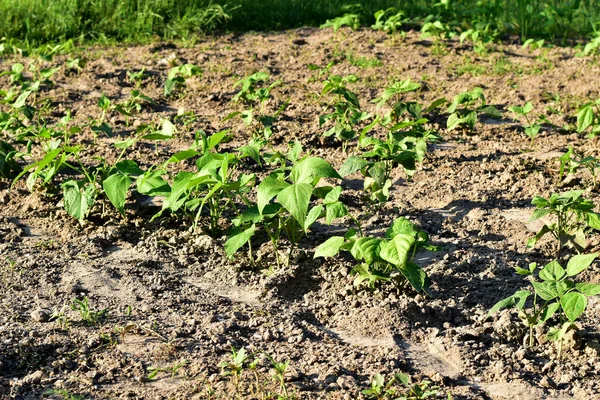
point(520, 354)
point(40, 315)
point(547, 382)
point(146, 308)
point(268, 336)
point(592, 349)
point(346, 382)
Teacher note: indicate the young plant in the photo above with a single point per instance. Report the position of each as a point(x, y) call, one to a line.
point(384, 260)
point(405, 145)
point(178, 75)
point(235, 365)
point(352, 16)
point(8, 162)
point(588, 117)
point(556, 295)
point(393, 97)
point(465, 108)
point(390, 20)
point(533, 126)
point(279, 369)
point(87, 315)
point(572, 161)
point(347, 115)
point(380, 389)
point(573, 218)
point(211, 187)
point(283, 203)
point(253, 93)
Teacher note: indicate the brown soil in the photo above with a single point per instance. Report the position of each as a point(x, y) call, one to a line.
point(183, 300)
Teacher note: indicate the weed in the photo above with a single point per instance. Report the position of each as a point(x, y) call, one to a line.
point(88, 316)
point(399, 387)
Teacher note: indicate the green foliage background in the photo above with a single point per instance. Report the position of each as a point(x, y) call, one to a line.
point(40, 21)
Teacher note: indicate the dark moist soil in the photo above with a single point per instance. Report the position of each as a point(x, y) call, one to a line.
point(181, 302)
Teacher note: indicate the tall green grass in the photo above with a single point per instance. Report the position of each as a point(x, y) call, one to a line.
point(39, 21)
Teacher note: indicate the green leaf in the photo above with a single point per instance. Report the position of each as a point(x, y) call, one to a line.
point(151, 183)
point(334, 211)
point(397, 250)
point(295, 199)
point(546, 290)
point(234, 243)
point(573, 304)
point(585, 118)
point(312, 169)
point(556, 334)
point(593, 220)
point(312, 216)
point(580, 262)
point(116, 187)
point(401, 226)
point(78, 198)
point(330, 247)
point(414, 275)
point(270, 187)
point(548, 312)
point(367, 249)
point(588, 289)
point(22, 99)
point(502, 304)
point(552, 271)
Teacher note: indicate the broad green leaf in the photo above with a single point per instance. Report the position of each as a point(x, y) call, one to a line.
point(78, 198)
point(552, 271)
point(22, 99)
point(270, 187)
point(367, 249)
point(580, 262)
point(401, 226)
point(151, 183)
point(546, 290)
point(333, 195)
point(504, 303)
point(520, 297)
point(545, 229)
point(414, 275)
point(556, 334)
point(548, 312)
point(539, 213)
point(588, 289)
point(573, 304)
point(295, 199)
point(128, 167)
point(116, 187)
point(234, 243)
point(312, 169)
point(330, 247)
point(593, 220)
point(312, 216)
point(181, 156)
point(585, 118)
point(396, 251)
point(334, 211)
